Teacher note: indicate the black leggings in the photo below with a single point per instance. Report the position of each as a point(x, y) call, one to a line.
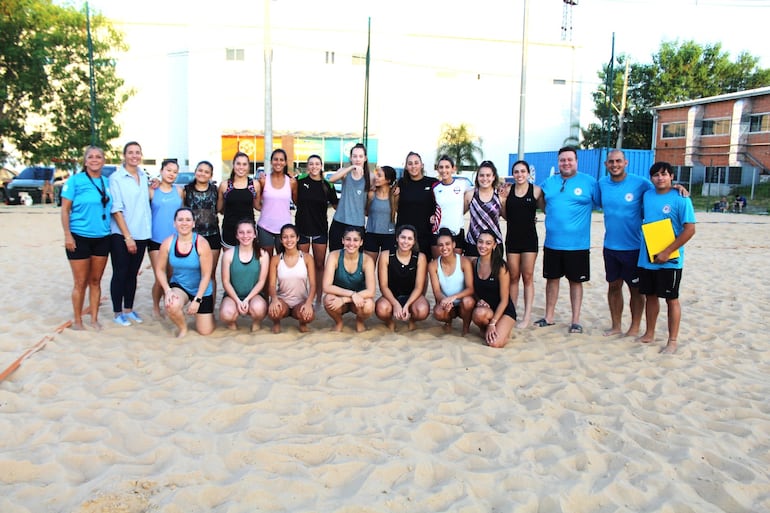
point(125, 269)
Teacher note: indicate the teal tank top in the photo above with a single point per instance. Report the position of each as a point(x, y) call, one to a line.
point(355, 281)
point(243, 276)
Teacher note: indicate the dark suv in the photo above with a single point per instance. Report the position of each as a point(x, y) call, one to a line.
point(29, 182)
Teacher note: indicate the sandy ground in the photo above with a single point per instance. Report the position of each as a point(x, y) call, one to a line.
point(132, 420)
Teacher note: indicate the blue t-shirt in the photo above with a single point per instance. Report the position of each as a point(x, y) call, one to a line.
point(622, 205)
point(669, 205)
point(568, 206)
point(88, 217)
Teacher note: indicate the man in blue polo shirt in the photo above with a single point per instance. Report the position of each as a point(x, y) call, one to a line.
point(661, 274)
point(621, 200)
point(569, 200)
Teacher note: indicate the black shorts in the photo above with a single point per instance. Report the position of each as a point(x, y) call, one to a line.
point(622, 265)
point(207, 305)
point(336, 230)
point(215, 241)
point(660, 282)
point(86, 247)
point(153, 246)
point(376, 242)
point(574, 265)
point(313, 239)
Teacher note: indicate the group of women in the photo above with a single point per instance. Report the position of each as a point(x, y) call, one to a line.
point(396, 234)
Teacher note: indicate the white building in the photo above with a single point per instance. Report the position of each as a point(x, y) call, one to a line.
point(198, 74)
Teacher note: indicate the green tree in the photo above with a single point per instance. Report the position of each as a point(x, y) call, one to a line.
point(44, 81)
point(459, 143)
point(678, 72)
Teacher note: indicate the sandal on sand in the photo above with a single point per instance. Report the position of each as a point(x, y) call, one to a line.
point(540, 323)
point(575, 328)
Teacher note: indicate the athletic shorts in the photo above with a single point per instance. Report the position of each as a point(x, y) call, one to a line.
point(153, 246)
point(622, 265)
point(660, 282)
point(268, 239)
point(215, 241)
point(86, 247)
point(376, 242)
point(314, 239)
point(207, 305)
point(336, 230)
point(574, 265)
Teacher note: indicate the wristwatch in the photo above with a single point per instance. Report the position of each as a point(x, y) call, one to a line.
point(198, 299)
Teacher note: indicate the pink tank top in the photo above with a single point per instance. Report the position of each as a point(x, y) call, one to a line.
point(276, 205)
point(292, 282)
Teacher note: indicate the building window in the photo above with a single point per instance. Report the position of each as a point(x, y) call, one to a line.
point(724, 175)
point(329, 57)
point(672, 130)
point(715, 127)
point(234, 54)
point(759, 123)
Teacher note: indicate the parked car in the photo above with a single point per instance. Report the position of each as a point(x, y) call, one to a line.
point(29, 183)
point(6, 175)
point(184, 178)
point(337, 185)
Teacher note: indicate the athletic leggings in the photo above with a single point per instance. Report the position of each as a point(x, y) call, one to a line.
point(125, 269)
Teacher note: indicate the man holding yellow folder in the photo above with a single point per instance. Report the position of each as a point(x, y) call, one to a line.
point(661, 269)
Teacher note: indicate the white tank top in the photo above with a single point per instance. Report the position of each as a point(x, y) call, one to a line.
point(292, 282)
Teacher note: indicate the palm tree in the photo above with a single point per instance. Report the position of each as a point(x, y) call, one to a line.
point(459, 143)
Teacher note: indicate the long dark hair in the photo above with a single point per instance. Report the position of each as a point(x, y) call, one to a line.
point(403, 227)
point(329, 191)
point(235, 157)
point(255, 243)
point(288, 226)
point(498, 259)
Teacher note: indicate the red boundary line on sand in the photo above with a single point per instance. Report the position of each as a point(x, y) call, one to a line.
point(40, 344)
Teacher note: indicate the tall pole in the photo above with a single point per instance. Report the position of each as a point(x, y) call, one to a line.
point(610, 82)
point(91, 81)
point(268, 49)
point(622, 112)
point(366, 86)
point(523, 86)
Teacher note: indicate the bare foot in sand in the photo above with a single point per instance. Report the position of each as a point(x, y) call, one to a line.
point(612, 331)
point(632, 333)
point(670, 348)
point(390, 325)
point(96, 325)
point(360, 326)
point(526, 322)
point(276, 327)
point(182, 333)
point(337, 326)
point(303, 328)
point(78, 326)
point(232, 326)
point(646, 339)
point(411, 326)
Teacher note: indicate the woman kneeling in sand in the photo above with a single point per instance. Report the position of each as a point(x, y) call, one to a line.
point(349, 281)
point(451, 278)
point(402, 272)
point(291, 282)
point(190, 284)
point(495, 313)
point(244, 275)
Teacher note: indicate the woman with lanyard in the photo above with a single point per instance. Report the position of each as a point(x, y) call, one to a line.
point(278, 191)
point(237, 199)
point(85, 219)
point(402, 272)
point(351, 210)
point(244, 276)
point(495, 313)
point(451, 278)
point(415, 203)
point(131, 228)
point(349, 281)
point(291, 282)
point(449, 195)
point(189, 257)
point(485, 207)
point(314, 195)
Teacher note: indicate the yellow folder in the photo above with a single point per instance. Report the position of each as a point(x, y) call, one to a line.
point(657, 237)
